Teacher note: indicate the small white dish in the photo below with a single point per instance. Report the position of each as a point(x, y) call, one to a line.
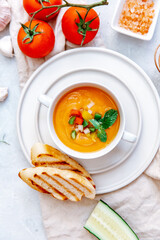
point(116, 27)
point(51, 102)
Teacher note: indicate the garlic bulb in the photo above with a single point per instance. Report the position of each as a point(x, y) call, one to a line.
point(5, 14)
point(6, 47)
point(3, 93)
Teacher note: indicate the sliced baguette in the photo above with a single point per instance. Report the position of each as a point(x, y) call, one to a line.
point(61, 184)
point(46, 156)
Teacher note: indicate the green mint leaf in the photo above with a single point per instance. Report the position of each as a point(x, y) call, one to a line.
point(95, 123)
point(109, 118)
point(101, 134)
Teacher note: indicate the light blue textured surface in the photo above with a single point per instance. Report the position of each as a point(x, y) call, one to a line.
point(20, 215)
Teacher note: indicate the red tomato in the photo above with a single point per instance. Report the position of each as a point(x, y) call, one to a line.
point(76, 113)
point(42, 43)
point(33, 5)
point(79, 121)
point(71, 19)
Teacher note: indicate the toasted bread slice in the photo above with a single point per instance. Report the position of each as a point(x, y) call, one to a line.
point(46, 156)
point(61, 184)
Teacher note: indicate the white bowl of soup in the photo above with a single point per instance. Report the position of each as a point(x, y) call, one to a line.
point(86, 120)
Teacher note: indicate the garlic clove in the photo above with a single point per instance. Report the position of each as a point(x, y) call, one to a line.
point(3, 93)
point(6, 47)
point(5, 14)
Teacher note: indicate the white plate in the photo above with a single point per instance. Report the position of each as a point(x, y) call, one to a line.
point(116, 26)
point(130, 74)
point(127, 99)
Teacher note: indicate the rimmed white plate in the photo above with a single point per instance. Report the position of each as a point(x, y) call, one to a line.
point(130, 74)
point(125, 96)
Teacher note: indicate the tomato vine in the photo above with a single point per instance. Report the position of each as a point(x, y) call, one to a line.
point(84, 25)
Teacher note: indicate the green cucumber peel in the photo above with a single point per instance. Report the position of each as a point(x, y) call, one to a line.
point(95, 123)
point(71, 120)
point(73, 134)
point(92, 129)
point(120, 217)
point(85, 123)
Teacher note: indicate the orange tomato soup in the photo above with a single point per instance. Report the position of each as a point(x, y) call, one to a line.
point(80, 98)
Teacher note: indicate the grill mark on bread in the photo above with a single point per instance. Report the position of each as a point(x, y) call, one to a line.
point(81, 184)
point(68, 183)
point(46, 154)
point(54, 189)
point(77, 171)
point(89, 178)
point(41, 189)
point(67, 190)
point(63, 163)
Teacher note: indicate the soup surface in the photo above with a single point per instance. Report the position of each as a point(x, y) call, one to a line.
point(70, 128)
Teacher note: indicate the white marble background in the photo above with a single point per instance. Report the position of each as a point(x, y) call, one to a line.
point(20, 215)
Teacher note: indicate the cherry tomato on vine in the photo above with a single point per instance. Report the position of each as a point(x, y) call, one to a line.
point(78, 29)
point(37, 41)
point(33, 5)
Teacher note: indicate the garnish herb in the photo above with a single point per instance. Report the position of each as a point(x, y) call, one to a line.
point(98, 125)
point(95, 123)
point(109, 118)
point(73, 134)
point(3, 141)
point(92, 129)
point(107, 121)
point(97, 116)
point(101, 134)
point(71, 120)
point(85, 123)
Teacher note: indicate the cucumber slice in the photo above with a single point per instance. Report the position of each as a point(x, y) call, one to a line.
point(106, 224)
